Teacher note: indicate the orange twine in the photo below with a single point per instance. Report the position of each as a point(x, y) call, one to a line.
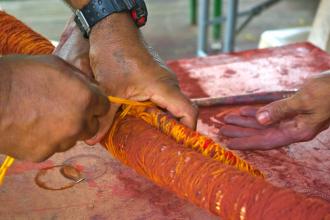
point(180, 133)
point(17, 38)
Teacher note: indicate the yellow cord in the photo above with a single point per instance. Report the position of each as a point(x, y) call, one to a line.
point(4, 167)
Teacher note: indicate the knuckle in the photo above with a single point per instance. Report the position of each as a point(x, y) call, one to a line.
point(307, 135)
point(303, 132)
point(278, 109)
point(283, 108)
point(305, 97)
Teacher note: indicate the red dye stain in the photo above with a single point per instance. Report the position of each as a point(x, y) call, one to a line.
point(21, 167)
point(207, 143)
point(79, 167)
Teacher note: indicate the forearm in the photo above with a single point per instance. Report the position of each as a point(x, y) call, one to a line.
point(123, 43)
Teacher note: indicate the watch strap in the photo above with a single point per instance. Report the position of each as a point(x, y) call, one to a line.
point(96, 10)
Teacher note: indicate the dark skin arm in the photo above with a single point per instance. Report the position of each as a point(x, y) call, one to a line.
point(123, 65)
point(296, 119)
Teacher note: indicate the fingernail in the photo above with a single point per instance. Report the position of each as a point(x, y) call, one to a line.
point(94, 138)
point(263, 117)
point(91, 141)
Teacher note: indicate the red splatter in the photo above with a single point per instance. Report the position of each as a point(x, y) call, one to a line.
point(20, 167)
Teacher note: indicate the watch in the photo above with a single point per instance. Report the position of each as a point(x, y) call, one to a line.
point(96, 10)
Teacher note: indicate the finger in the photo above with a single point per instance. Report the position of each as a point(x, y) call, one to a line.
point(177, 104)
point(276, 111)
point(287, 132)
point(247, 122)
point(271, 139)
point(100, 103)
point(92, 127)
point(105, 123)
point(235, 131)
point(248, 111)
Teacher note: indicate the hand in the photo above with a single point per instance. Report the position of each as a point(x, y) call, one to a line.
point(124, 67)
point(47, 105)
point(296, 119)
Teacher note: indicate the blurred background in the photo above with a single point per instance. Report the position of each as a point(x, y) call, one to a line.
point(170, 29)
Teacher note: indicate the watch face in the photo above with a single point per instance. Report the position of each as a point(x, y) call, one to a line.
point(82, 23)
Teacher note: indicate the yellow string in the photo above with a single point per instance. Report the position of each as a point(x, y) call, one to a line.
point(4, 167)
point(122, 101)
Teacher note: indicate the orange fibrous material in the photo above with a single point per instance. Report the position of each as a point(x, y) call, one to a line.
point(204, 181)
point(180, 133)
point(158, 147)
point(17, 38)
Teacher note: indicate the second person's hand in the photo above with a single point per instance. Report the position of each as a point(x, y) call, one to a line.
point(295, 119)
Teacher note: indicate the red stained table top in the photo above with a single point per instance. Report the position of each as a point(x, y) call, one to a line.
point(119, 193)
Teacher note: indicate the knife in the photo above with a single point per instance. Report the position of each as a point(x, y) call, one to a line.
point(246, 99)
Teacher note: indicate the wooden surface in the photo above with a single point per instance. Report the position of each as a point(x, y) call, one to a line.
point(113, 191)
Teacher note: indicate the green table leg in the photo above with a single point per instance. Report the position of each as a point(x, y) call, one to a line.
point(217, 12)
point(193, 12)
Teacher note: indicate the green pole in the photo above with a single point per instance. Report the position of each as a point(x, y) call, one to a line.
point(193, 12)
point(217, 12)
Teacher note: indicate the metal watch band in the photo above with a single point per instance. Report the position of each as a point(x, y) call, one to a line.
point(96, 10)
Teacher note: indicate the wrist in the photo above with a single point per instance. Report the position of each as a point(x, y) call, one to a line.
point(95, 11)
point(117, 41)
point(115, 24)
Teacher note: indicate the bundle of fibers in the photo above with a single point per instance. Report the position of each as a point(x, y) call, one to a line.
point(211, 184)
point(17, 38)
point(194, 167)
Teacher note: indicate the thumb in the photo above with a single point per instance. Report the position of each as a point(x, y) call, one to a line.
point(105, 123)
point(276, 111)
